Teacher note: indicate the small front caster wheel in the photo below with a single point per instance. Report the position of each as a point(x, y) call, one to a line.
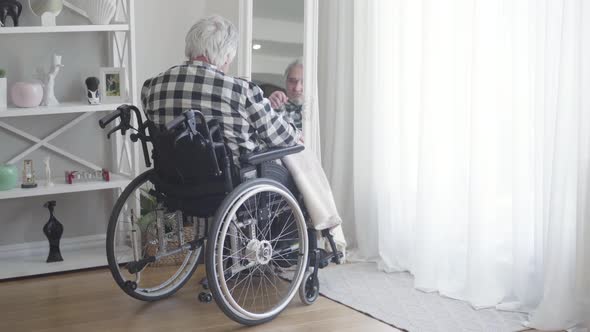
point(309, 289)
point(205, 297)
point(131, 285)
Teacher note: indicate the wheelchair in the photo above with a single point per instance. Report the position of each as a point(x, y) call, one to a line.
point(248, 221)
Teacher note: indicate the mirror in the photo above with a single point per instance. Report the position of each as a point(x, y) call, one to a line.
point(277, 51)
point(47, 10)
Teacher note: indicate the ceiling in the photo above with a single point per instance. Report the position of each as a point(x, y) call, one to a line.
point(278, 49)
point(286, 10)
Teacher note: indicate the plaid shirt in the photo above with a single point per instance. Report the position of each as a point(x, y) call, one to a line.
point(248, 123)
point(293, 111)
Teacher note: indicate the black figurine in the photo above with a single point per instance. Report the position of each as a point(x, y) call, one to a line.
point(53, 229)
point(11, 8)
point(92, 90)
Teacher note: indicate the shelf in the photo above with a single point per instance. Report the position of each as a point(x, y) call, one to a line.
point(60, 187)
point(63, 108)
point(27, 259)
point(64, 28)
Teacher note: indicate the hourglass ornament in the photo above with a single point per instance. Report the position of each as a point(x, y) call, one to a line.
point(53, 229)
point(28, 175)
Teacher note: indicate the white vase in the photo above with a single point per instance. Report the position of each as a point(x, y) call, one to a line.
point(3, 98)
point(101, 12)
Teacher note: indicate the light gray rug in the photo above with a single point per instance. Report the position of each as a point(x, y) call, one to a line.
point(391, 298)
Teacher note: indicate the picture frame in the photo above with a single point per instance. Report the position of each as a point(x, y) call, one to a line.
point(113, 84)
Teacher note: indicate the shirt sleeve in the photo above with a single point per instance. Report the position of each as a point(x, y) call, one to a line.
point(273, 128)
point(144, 93)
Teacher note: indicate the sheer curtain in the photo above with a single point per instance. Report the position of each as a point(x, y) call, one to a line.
point(336, 112)
point(471, 149)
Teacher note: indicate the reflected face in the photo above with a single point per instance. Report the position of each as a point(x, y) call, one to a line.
point(295, 84)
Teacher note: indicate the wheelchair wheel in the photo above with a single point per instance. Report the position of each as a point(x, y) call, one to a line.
point(147, 245)
point(256, 252)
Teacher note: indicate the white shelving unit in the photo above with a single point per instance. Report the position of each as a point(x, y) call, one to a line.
point(63, 108)
point(61, 187)
point(65, 28)
point(25, 259)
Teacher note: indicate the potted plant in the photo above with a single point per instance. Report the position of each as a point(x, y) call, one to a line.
point(2, 89)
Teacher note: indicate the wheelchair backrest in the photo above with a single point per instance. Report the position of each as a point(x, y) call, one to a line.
point(183, 154)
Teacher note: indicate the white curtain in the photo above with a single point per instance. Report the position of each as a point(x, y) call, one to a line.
point(335, 82)
point(471, 149)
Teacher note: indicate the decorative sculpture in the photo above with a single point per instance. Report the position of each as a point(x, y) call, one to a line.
point(10, 8)
point(48, 180)
point(49, 81)
point(8, 177)
point(53, 229)
point(101, 11)
point(92, 92)
point(81, 176)
point(28, 175)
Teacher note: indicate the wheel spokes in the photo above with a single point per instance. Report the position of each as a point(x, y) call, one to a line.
point(264, 254)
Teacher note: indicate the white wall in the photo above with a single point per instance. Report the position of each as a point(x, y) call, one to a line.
point(160, 30)
point(277, 30)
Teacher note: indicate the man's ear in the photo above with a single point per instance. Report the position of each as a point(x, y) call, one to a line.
point(229, 59)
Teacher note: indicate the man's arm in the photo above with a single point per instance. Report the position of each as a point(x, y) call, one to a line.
point(278, 99)
point(144, 92)
point(273, 128)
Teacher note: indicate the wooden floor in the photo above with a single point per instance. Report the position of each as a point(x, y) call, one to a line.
point(91, 301)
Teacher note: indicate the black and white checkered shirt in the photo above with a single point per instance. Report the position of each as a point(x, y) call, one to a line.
point(293, 111)
point(247, 120)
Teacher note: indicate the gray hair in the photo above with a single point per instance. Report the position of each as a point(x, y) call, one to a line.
point(214, 37)
point(296, 62)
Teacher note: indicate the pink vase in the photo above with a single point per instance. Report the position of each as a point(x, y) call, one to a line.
point(26, 94)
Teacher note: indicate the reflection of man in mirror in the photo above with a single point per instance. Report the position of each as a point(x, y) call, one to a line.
point(292, 102)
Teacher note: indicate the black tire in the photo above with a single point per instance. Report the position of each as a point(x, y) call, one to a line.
point(211, 255)
point(309, 291)
point(205, 297)
point(128, 286)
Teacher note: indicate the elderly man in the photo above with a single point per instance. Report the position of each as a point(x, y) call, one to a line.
point(247, 119)
point(292, 102)
point(248, 122)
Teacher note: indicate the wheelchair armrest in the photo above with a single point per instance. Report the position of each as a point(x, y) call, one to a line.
point(270, 154)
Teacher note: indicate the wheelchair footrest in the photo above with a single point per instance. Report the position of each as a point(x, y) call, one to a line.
point(326, 258)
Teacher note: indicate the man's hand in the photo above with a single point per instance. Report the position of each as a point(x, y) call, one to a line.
point(277, 99)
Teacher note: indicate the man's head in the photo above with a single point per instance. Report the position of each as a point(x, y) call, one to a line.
point(294, 81)
point(213, 38)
